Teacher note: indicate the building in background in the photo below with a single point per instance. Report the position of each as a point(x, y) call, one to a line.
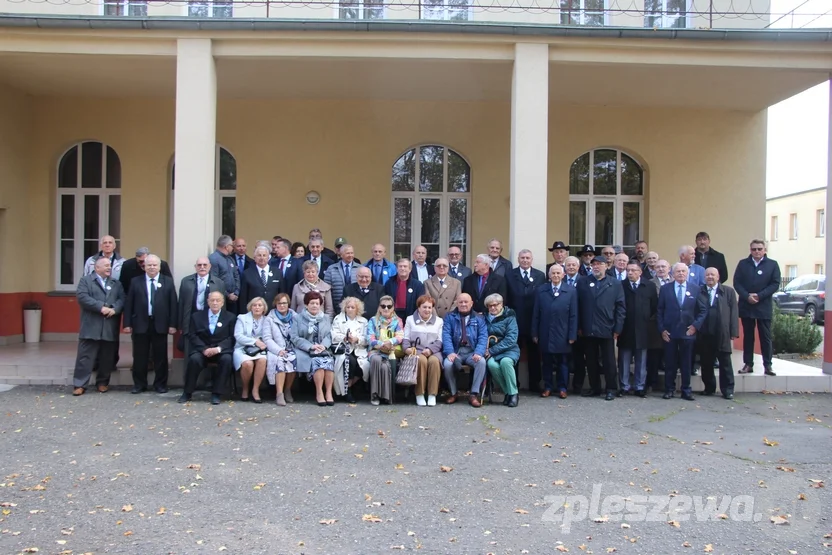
point(796, 232)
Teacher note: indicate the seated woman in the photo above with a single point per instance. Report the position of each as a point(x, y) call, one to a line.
point(423, 336)
point(312, 282)
point(384, 336)
point(503, 351)
point(281, 360)
point(298, 250)
point(353, 364)
point(250, 350)
point(310, 334)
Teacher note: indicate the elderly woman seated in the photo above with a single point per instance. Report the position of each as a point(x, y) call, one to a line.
point(311, 337)
point(384, 336)
point(281, 360)
point(250, 350)
point(312, 282)
point(423, 336)
point(349, 336)
point(503, 351)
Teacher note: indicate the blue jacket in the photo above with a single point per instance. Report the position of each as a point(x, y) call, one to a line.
point(452, 333)
point(504, 328)
point(696, 275)
point(555, 319)
point(676, 319)
point(601, 308)
point(763, 280)
point(388, 270)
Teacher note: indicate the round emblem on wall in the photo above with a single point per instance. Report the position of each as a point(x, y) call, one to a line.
point(312, 197)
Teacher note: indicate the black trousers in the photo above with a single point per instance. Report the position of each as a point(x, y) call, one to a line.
point(764, 330)
point(600, 351)
point(94, 353)
point(557, 364)
point(532, 361)
point(709, 352)
point(677, 356)
point(145, 344)
point(197, 362)
point(578, 365)
point(654, 364)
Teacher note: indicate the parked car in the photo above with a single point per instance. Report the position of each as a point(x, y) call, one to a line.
point(804, 296)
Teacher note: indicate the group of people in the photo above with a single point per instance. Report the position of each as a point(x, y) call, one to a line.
point(341, 323)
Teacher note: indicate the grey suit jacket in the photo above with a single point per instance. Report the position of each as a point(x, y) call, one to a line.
point(445, 297)
point(92, 298)
point(187, 288)
point(655, 281)
point(334, 276)
point(225, 268)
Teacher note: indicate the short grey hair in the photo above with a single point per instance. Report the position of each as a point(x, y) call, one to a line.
point(262, 248)
point(316, 241)
point(680, 265)
point(571, 259)
point(493, 298)
point(684, 249)
point(224, 241)
point(524, 251)
point(263, 243)
point(141, 251)
point(152, 257)
point(484, 258)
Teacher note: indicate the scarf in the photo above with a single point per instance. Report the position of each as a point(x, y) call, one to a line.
point(312, 286)
point(283, 319)
point(492, 317)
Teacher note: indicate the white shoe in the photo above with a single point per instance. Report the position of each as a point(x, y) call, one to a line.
point(375, 402)
point(420, 400)
point(431, 400)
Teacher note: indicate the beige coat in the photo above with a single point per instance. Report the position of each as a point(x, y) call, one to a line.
point(302, 289)
point(445, 297)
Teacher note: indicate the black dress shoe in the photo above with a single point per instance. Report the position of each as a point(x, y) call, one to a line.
point(620, 393)
point(330, 403)
point(321, 403)
point(641, 393)
point(349, 398)
point(728, 395)
point(667, 396)
point(257, 401)
point(769, 372)
point(610, 396)
point(688, 397)
point(185, 398)
point(591, 393)
point(162, 390)
point(215, 400)
point(137, 389)
point(706, 393)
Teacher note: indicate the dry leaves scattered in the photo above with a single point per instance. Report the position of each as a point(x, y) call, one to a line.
point(328, 521)
point(785, 469)
point(779, 519)
point(371, 518)
point(521, 511)
point(444, 468)
point(127, 508)
point(674, 523)
point(770, 443)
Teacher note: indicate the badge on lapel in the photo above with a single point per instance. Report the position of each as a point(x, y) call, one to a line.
point(759, 272)
point(219, 324)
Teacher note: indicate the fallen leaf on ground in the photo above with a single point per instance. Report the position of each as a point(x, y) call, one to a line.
point(127, 508)
point(195, 467)
point(328, 521)
point(403, 423)
point(370, 518)
point(521, 511)
point(558, 482)
point(770, 443)
point(674, 523)
point(562, 548)
point(446, 468)
point(399, 466)
point(444, 510)
point(802, 497)
point(686, 544)
point(785, 469)
point(161, 511)
point(600, 519)
point(261, 485)
point(708, 548)
point(625, 525)
point(779, 519)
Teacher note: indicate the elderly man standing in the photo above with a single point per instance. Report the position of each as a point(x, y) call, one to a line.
point(649, 266)
point(499, 264)
point(135, 267)
point(101, 300)
point(586, 254)
point(601, 313)
point(241, 257)
point(150, 314)
point(342, 273)
point(365, 289)
point(559, 254)
point(483, 282)
point(681, 313)
point(522, 283)
point(663, 276)
point(224, 267)
point(696, 273)
point(316, 254)
point(261, 280)
point(457, 269)
point(443, 288)
point(380, 268)
point(107, 249)
point(421, 269)
point(715, 337)
point(619, 267)
point(193, 296)
point(464, 340)
point(404, 289)
point(554, 328)
point(640, 333)
point(756, 279)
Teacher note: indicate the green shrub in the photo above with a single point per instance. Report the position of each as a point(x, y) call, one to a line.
point(794, 334)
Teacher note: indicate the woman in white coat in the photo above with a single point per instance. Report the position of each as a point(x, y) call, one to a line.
point(249, 335)
point(352, 364)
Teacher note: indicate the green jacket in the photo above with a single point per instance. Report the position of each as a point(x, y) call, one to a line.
point(504, 328)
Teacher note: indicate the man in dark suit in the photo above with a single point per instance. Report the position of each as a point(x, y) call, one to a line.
point(522, 283)
point(586, 255)
point(559, 254)
point(316, 247)
point(101, 300)
point(288, 266)
point(756, 279)
point(681, 312)
point(316, 235)
point(618, 271)
point(499, 265)
point(708, 257)
point(193, 296)
point(572, 265)
point(483, 282)
point(420, 269)
point(242, 259)
point(640, 331)
point(715, 337)
point(150, 314)
point(260, 280)
point(211, 340)
point(554, 328)
point(456, 268)
point(404, 290)
point(601, 313)
point(365, 289)
point(134, 267)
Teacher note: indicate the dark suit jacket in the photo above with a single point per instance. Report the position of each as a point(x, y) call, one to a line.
point(165, 306)
point(249, 261)
point(251, 285)
point(187, 298)
point(463, 272)
point(713, 259)
point(131, 269)
point(503, 266)
point(676, 319)
point(728, 326)
point(601, 309)
point(555, 319)
point(522, 295)
point(494, 284)
point(374, 294)
point(763, 280)
point(640, 328)
point(201, 338)
point(292, 272)
point(584, 271)
point(415, 289)
point(326, 262)
point(415, 275)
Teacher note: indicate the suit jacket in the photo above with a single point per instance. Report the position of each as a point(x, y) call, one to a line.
point(224, 267)
point(676, 319)
point(251, 286)
point(415, 275)
point(555, 319)
point(601, 309)
point(292, 272)
point(495, 283)
point(613, 273)
point(728, 326)
point(187, 298)
point(640, 328)
point(326, 262)
point(131, 269)
point(334, 276)
point(371, 299)
point(696, 275)
point(763, 280)
point(462, 271)
point(384, 275)
point(503, 266)
point(522, 295)
point(165, 306)
point(444, 297)
point(201, 338)
point(415, 289)
point(584, 270)
point(713, 259)
point(92, 298)
point(658, 284)
point(247, 261)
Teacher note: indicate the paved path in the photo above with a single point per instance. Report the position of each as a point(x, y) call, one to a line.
point(120, 473)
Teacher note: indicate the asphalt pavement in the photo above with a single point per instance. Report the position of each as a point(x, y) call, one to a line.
point(121, 473)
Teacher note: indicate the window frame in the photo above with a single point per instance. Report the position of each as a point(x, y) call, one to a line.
point(793, 231)
point(126, 4)
point(362, 11)
point(582, 13)
point(819, 269)
point(665, 17)
point(774, 228)
point(212, 7)
point(445, 9)
point(820, 223)
point(791, 272)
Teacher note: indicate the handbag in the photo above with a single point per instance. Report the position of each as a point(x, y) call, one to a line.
point(253, 350)
point(406, 373)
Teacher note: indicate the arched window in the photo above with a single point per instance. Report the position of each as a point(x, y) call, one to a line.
point(431, 202)
point(88, 206)
point(606, 199)
point(225, 189)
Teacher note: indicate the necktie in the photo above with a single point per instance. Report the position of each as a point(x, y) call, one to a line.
point(212, 322)
point(318, 262)
point(241, 263)
point(634, 286)
point(455, 271)
point(571, 282)
point(101, 283)
point(482, 283)
point(346, 274)
point(712, 292)
point(263, 277)
point(525, 275)
point(200, 294)
point(680, 294)
point(377, 272)
point(282, 266)
point(555, 291)
point(441, 283)
point(621, 276)
point(152, 296)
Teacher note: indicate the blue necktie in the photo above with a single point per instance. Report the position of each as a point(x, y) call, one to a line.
point(680, 294)
point(377, 272)
point(212, 322)
point(346, 274)
point(241, 263)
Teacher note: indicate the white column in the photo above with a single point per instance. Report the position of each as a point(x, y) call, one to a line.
point(827, 329)
point(196, 122)
point(529, 151)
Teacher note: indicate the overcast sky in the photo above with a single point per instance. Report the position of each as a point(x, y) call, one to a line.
point(798, 128)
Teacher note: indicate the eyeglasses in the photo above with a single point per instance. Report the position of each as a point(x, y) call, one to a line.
point(440, 265)
point(282, 303)
point(386, 306)
point(757, 248)
point(202, 265)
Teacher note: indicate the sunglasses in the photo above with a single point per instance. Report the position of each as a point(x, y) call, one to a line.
point(386, 306)
point(757, 248)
